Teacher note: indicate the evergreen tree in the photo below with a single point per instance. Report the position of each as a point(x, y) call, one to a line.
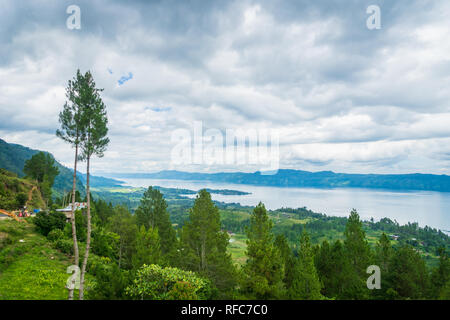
point(152, 213)
point(306, 285)
point(72, 128)
point(408, 275)
point(264, 267)
point(289, 261)
point(441, 275)
point(359, 255)
point(383, 256)
point(333, 268)
point(93, 142)
point(204, 245)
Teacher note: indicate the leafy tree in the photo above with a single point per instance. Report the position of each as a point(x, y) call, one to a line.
point(306, 284)
point(93, 141)
point(124, 224)
point(105, 243)
point(21, 199)
point(264, 267)
point(154, 282)
point(103, 211)
point(204, 245)
point(110, 282)
point(152, 213)
point(148, 249)
point(48, 221)
point(42, 168)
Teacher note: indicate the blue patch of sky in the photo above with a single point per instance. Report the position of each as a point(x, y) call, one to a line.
point(124, 79)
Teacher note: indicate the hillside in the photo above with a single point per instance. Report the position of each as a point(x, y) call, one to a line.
point(16, 192)
point(30, 267)
point(13, 157)
point(322, 179)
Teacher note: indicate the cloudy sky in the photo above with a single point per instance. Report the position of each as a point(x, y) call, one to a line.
point(342, 97)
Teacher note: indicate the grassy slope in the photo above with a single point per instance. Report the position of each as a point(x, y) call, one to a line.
point(10, 185)
point(31, 269)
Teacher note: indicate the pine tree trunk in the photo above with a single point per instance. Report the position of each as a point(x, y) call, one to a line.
point(88, 238)
point(72, 219)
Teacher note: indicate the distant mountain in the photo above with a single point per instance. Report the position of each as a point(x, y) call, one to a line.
point(322, 179)
point(13, 157)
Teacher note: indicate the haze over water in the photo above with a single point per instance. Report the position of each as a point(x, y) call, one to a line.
point(425, 207)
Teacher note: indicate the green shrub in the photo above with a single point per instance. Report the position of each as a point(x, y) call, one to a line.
point(46, 222)
point(55, 235)
point(156, 283)
point(21, 199)
point(64, 245)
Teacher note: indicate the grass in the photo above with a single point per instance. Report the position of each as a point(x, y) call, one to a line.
point(237, 248)
point(30, 268)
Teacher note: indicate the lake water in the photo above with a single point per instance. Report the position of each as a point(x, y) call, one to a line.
point(425, 207)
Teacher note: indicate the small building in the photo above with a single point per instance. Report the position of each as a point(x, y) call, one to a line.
point(68, 210)
point(394, 237)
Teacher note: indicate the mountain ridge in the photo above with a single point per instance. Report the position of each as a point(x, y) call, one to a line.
point(301, 178)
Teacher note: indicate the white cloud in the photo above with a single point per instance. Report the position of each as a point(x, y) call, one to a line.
point(342, 97)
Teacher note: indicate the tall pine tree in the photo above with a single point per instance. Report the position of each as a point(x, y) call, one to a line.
point(306, 284)
point(204, 245)
point(264, 271)
point(152, 213)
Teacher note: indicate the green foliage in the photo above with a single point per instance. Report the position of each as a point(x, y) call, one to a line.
point(152, 213)
point(55, 234)
point(105, 243)
point(358, 253)
point(30, 269)
point(47, 221)
point(440, 276)
point(124, 225)
point(305, 284)
point(333, 268)
point(64, 245)
point(264, 268)
point(156, 283)
point(21, 199)
point(408, 276)
point(148, 248)
point(204, 245)
point(110, 281)
point(41, 167)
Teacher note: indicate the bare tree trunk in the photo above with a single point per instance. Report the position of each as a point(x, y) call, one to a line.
point(72, 219)
point(88, 238)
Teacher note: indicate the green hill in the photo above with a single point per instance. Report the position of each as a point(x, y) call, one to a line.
point(13, 157)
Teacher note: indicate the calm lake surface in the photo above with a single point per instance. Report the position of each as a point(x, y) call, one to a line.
point(425, 207)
